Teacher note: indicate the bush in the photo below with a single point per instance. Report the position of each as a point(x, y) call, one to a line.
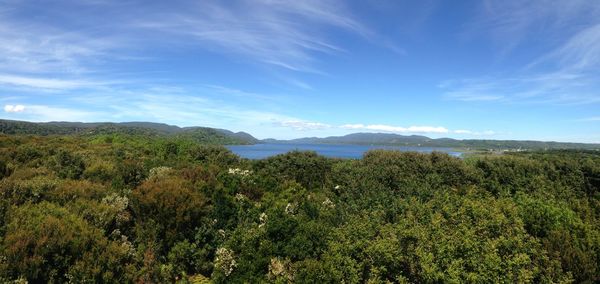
point(209, 154)
point(4, 170)
point(45, 243)
point(171, 207)
point(68, 165)
point(306, 168)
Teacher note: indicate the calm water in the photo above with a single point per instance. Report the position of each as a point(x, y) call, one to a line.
point(260, 151)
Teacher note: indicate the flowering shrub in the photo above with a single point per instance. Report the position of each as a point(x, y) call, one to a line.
point(159, 172)
point(239, 172)
point(225, 261)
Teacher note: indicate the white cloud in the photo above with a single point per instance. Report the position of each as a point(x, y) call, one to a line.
point(475, 133)
point(43, 113)
point(416, 129)
point(397, 129)
point(14, 108)
point(196, 107)
point(302, 125)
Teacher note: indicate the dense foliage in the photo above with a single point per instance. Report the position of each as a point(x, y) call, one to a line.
point(120, 208)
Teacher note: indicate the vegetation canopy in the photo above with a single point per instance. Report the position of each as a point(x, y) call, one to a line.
point(125, 207)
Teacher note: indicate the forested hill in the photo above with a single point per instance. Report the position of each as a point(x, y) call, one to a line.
point(199, 134)
point(417, 140)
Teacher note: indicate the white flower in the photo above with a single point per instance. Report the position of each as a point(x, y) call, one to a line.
point(225, 261)
point(263, 219)
point(328, 203)
point(239, 172)
point(118, 202)
point(290, 208)
point(158, 172)
point(240, 197)
point(280, 268)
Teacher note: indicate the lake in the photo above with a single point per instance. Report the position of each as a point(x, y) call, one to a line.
point(261, 151)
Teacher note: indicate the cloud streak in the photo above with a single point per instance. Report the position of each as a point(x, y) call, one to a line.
point(510, 23)
point(45, 83)
point(29, 47)
point(285, 34)
point(588, 119)
point(566, 74)
point(396, 129)
point(474, 133)
point(302, 125)
point(289, 35)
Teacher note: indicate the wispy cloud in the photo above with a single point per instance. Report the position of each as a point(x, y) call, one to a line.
point(593, 118)
point(286, 34)
point(46, 83)
point(559, 87)
point(580, 53)
point(565, 74)
point(302, 125)
point(510, 23)
point(396, 129)
point(474, 133)
point(240, 93)
point(290, 35)
point(37, 48)
point(416, 129)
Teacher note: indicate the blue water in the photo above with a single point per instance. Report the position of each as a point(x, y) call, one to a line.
point(261, 151)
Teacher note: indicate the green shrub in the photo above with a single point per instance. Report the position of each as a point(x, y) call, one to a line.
point(68, 165)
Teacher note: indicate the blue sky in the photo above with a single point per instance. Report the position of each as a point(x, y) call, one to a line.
point(287, 69)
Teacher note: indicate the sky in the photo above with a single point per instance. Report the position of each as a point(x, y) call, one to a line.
point(511, 69)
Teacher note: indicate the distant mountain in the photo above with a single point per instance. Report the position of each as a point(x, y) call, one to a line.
point(423, 141)
point(223, 136)
point(365, 139)
point(200, 134)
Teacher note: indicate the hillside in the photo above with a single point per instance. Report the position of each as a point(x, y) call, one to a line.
point(199, 134)
point(418, 140)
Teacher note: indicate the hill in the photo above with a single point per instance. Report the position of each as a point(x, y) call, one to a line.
point(151, 129)
point(424, 141)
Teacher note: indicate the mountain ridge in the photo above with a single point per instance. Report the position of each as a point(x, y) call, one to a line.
point(200, 134)
point(391, 139)
point(224, 136)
